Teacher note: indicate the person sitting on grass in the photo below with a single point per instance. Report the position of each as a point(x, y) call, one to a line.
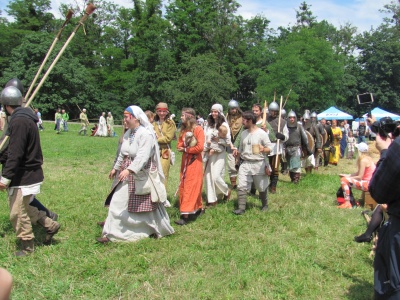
point(360, 179)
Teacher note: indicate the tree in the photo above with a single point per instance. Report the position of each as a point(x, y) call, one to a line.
point(310, 63)
point(379, 59)
point(201, 82)
point(31, 15)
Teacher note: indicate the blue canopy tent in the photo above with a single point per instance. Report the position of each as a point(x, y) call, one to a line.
point(379, 113)
point(332, 113)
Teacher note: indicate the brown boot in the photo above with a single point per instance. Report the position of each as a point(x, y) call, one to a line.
point(51, 227)
point(27, 247)
point(233, 182)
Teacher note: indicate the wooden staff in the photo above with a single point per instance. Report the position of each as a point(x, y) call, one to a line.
point(89, 9)
point(67, 19)
point(87, 123)
point(287, 97)
point(265, 113)
point(279, 127)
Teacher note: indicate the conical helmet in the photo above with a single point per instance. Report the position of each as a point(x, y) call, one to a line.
point(292, 114)
point(233, 104)
point(306, 115)
point(314, 115)
point(17, 83)
point(273, 106)
point(11, 96)
point(283, 113)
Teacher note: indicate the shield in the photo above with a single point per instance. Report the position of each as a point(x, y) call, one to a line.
point(324, 137)
point(310, 144)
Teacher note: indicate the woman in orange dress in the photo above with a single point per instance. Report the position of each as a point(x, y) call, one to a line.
point(191, 144)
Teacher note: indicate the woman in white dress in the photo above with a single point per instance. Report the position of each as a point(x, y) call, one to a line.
point(215, 165)
point(102, 129)
point(132, 217)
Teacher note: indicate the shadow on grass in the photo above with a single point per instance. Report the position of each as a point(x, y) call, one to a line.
point(360, 290)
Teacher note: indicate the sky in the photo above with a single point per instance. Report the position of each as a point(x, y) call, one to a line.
point(362, 14)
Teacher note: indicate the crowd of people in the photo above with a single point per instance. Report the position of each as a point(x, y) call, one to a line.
point(259, 146)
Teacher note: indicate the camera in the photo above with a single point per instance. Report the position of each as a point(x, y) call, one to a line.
point(385, 126)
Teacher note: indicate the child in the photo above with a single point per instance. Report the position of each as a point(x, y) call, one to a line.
point(213, 146)
point(150, 115)
point(351, 141)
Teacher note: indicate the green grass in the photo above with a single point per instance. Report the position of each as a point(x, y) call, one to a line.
point(301, 249)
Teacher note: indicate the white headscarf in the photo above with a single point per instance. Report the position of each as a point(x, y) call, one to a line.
point(218, 107)
point(138, 113)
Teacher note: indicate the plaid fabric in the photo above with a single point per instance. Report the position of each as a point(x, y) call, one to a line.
point(138, 203)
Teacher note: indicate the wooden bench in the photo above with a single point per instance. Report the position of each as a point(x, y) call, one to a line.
point(369, 202)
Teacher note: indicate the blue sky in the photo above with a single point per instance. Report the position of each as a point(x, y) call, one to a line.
point(361, 13)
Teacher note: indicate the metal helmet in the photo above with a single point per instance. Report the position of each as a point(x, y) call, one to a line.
point(283, 113)
point(306, 115)
point(17, 83)
point(273, 106)
point(314, 115)
point(291, 114)
point(233, 104)
point(11, 96)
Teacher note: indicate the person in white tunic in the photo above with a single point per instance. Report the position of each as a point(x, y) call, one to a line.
point(134, 215)
point(254, 146)
point(102, 129)
point(215, 165)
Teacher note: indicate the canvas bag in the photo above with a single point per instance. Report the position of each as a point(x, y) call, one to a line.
point(147, 182)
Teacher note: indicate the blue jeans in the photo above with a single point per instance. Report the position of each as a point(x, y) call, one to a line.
point(362, 139)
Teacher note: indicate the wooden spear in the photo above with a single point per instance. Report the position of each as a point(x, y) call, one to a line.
point(279, 126)
point(89, 10)
point(287, 97)
point(67, 19)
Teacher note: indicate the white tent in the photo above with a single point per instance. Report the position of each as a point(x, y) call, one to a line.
point(332, 113)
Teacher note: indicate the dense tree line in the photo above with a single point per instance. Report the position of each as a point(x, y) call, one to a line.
point(196, 53)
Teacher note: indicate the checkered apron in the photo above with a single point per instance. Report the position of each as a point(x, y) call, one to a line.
point(138, 203)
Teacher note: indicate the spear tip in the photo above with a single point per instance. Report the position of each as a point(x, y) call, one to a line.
point(90, 8)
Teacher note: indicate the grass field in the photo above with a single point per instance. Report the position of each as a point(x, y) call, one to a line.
point(302, 248)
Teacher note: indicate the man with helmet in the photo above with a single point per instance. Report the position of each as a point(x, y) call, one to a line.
point(22, 173)
point(316, 149)
point(297, 140)
point(84, 122)
point(282, 134)
point(329, 141)
point(234, 118)
point(318, 153)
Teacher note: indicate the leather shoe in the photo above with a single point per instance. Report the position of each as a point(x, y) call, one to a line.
point(211, 205)
point(103, 240)
point(228, 196)
point(363, 238)
point(238, 212)
point(181, 222)
point(101, 224)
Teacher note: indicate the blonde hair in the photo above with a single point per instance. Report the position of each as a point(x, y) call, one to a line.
point(150, 115)
point(223, 131)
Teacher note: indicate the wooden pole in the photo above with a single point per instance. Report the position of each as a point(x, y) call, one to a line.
point(278, 140)
point(68, 18)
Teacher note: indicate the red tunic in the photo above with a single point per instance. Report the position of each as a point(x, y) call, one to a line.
point(191, 174)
